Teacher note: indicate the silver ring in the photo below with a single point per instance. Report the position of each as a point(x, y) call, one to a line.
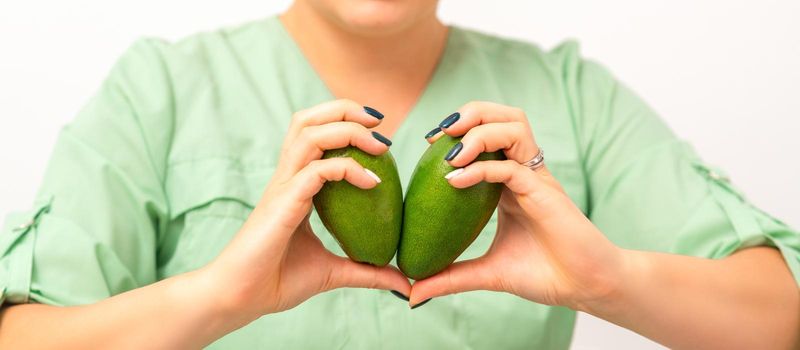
point(537, 161)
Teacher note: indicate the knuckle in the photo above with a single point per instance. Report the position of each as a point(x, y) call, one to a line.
point(469, 136)
point(346, 102)
point(519, 113)
point(354, 128)
point(340, 163)
point(476, 167)
point(350, 163)
point(509, 164)
point(315, 165)
point(526, 124)
point(308, 135)
point(300, 116)
point(345, 129)
point(451, 286)
point(303, 135)
point(329, 282)
point(521, 129)
point(471, 106)
point(375, 278)
point(479, 132)
point(338, 170)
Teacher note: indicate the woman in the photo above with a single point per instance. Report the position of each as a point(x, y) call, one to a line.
point(151, 229)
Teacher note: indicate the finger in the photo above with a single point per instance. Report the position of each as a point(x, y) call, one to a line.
point(518, 178)
point(513, 138)
point(434, 135)
point(537, 191)
point(477, 113)
point(306, 183)
point(459, 277)
point(333, 111)
point(314, 140)
point(347, 273)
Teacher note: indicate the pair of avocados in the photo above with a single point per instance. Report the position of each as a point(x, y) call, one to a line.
point(428, 230)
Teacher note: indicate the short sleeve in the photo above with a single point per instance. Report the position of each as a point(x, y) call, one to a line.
point(92, 231)
point(649, 190)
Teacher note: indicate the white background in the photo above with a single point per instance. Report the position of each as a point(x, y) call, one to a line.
point(725, 74)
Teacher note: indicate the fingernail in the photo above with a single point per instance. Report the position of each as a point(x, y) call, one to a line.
point(420, 304)
point(449, 120)
point(373, 112)
point(454, 151)
point(453, 173)
point(372, 175)
point(433, 132)
point(399, 295)
point(381, 138)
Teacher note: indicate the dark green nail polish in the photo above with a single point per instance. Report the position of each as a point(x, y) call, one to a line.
point(399, 295)
point(450, 120)
point(435, 131)
point(420, 304)
point(454, 151)
point(373, 112)
point(381, 138)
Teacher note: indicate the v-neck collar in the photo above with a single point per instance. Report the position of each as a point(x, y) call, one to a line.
point(297, 52)
point(409, 143)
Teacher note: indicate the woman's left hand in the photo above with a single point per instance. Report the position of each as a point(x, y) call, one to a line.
point(545, 249)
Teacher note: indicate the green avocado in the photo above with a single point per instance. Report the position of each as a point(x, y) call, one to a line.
point(365, 223)
point(439, 220)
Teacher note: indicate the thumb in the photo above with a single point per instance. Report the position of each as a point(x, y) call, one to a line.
point(464, 276)
point(348, 273)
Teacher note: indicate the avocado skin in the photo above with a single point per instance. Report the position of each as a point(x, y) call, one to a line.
point(365, 223)
point(441, 221)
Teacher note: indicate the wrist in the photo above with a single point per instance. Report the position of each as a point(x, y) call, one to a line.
point(201, 295)
point(625, 283)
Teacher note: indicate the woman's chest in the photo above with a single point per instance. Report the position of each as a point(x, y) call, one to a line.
point(225, 150)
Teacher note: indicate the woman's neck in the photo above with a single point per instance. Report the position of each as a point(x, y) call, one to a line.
point(388, 72)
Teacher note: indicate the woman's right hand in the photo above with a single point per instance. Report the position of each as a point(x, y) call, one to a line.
point(275, 261)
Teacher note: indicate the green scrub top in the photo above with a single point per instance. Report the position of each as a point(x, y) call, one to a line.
point(162, 167)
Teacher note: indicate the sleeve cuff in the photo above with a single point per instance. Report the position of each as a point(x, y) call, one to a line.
point(16, 252)
point(753, 227)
